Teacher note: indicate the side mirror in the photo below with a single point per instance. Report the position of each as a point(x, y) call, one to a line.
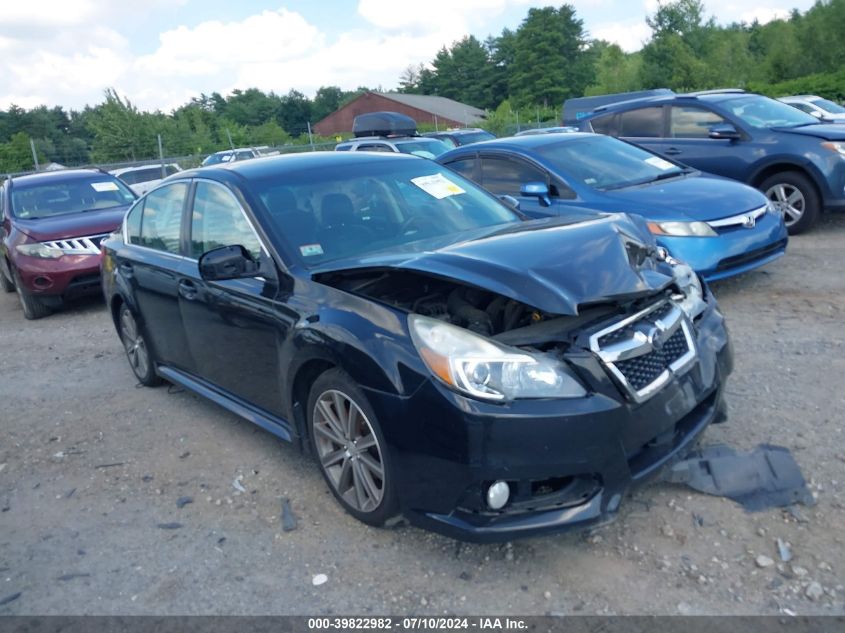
point(536, 190)
point(510, 201)
point(228, 262)
point(817, 113)
point(724, 131)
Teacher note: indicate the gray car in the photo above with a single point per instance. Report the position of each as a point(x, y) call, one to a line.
point(823, 109)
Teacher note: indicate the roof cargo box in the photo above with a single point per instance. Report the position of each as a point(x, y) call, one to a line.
point(383, 124)
point(576, 109)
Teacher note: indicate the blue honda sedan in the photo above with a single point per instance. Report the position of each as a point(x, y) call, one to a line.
point(718, 226)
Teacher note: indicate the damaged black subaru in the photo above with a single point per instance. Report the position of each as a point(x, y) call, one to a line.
point(443, 359)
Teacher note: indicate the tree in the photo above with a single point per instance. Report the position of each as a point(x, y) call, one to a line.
point(120, 131)
point(326, 101)
point(16, 155)
point(615, 71)
point(551, 62)
point(251, 106)
point(294, 113)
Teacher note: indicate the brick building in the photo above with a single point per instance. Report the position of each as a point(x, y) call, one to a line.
point(438, 111)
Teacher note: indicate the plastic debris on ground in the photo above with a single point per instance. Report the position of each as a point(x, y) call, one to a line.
point(288, 517)
point(766, 477)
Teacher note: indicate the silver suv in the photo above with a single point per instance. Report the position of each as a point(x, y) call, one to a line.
point(417, 145)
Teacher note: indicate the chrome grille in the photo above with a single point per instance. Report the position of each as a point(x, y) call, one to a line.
point(89, 245)
point(747, 219)
point(645, 350)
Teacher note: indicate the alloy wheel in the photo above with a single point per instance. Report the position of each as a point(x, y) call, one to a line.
point(134, 344)
point(789, 199)
point(348, 450)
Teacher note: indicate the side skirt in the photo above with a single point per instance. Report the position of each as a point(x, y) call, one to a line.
point(275, 425)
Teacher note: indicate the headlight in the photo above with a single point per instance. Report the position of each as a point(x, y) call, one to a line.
point(682, 229)
point(39, 250)
point(839, 148)
point(692, 302)
point(483, 369)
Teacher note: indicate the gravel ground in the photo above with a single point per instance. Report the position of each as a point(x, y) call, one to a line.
point(92, 468)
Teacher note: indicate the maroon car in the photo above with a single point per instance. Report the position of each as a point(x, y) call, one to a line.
point(51, 225)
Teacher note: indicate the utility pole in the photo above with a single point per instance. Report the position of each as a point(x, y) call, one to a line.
point(161, 157)
point(34, 154)
point(436, 128)
point(518, 129)
point(310, 137)
point(231, 144)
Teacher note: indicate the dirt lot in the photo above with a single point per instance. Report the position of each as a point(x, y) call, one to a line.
point(92, 467)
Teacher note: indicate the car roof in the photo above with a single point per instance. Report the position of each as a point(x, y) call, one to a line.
point(126, 170)
point(59, 176)
point(713, 96)
point(389, 139)
point(527, 142)
point(271, 165)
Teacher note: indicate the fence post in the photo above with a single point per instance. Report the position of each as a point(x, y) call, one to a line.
point(231, 144)
point(310, 137)
point(161, 156)
point(34, 153)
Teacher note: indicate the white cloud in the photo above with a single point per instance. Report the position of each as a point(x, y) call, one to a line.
point(630, 36)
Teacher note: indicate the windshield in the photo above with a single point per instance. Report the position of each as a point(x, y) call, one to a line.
point(603, 162)
point(370, 206)
point(762, 112)
point(75, 195)
point(222, 157)
point(427, 148)
point(828, 106)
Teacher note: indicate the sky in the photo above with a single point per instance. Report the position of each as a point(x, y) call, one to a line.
point(161, 53)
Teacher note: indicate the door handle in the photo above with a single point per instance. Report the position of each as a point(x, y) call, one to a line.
point(672, 151)
point(126, 269)
point(187, 290)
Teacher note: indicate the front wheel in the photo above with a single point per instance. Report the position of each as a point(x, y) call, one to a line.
point(351, 449)
point(796, 197)
point(137, 350)
point(33, 307)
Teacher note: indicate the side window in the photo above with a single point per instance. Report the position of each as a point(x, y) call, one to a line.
point(375, 147)
point(504, 176)
point(218, 220)
point(604, 125)
point(691, 122)
point(642, 123)
point(133, 223)
point(161, 219)
point(464, 166)
point(803, 106)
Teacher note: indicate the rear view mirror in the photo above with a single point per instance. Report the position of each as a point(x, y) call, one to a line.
point(536, 190)
point(228, 262)
point(724, 131)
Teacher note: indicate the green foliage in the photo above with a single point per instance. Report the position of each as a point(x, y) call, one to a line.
point(827, 85)
point(16, 155)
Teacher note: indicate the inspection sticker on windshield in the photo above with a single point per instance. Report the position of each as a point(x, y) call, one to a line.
point(104, 186)
point(310, 250)
point(656, 161)
point(437, 186)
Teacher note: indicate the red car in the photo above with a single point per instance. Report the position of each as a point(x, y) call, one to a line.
point(51, 225)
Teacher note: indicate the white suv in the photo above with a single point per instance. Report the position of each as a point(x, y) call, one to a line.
point(144, 177)
point(823, 109)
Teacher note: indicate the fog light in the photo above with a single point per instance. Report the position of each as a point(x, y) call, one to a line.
point(498, 494)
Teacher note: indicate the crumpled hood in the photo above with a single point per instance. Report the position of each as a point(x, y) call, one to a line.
point(73, 224)
point(829, 131)
point(694, 197)
point(552, 267)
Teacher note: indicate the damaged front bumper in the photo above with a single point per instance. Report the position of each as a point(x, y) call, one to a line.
point(567, 463)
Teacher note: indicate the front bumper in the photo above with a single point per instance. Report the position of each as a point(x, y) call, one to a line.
point(568, 463)
point(67, 277)
point(736, 250)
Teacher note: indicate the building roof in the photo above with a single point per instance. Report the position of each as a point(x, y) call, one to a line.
point(441, 106)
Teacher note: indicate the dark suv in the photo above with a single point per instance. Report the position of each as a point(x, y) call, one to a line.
point(51, 225)
point(796, 161)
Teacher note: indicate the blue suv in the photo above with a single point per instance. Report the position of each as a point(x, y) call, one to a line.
point(798, 162)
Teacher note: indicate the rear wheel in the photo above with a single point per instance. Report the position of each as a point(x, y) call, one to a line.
point(351, 449)
point(33, 307)
point(796, 197)
point(137, 350)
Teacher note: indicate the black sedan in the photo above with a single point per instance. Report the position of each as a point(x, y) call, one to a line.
point(443, 359)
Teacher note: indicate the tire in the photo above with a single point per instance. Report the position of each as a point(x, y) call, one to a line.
point(796, 196)
point(137, 349)
point(353, 458)
point(33, 307)
point(7, 284)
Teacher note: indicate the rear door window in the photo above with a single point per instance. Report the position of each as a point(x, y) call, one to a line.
point(642, 123)
point(465, 167)
point(161, 219)
point(604, 125)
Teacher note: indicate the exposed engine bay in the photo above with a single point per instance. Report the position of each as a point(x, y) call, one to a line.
point(486, 313)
